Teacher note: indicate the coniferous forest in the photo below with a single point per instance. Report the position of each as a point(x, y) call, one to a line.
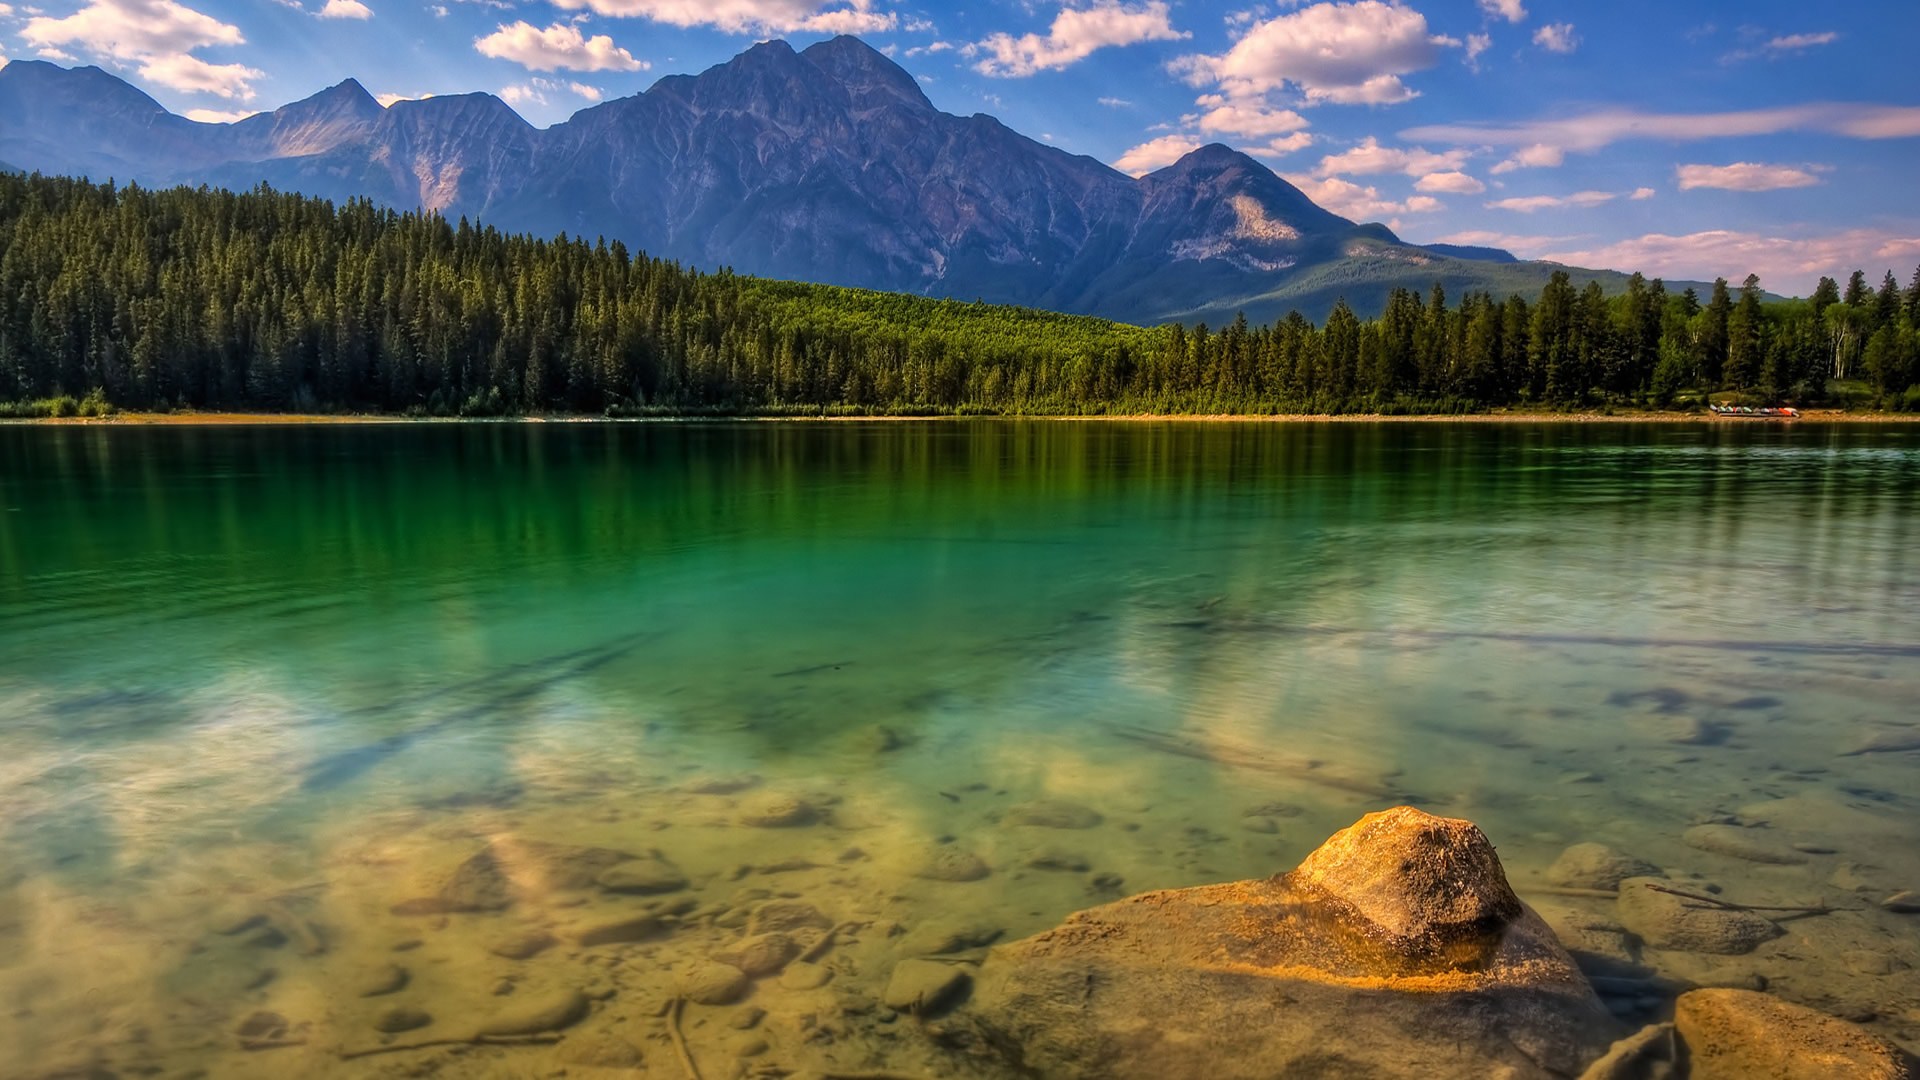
point(267, 301)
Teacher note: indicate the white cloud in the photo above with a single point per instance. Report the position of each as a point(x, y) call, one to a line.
point(1745, 176)
point(345, 9)
point(746, 16)
point(1783, 45)
point(190, 74)
point(924, 50)
point(1538, 156)
point(1786, 263)
point(158, 35)
point(1073, 36)
point(1511, 10)
point(387, 100)
point(559, 47)
point(1115, 103)
point(1156, 154)
point(535, 90)
point(1557, 37)
point(1356, 201)
point(1477, 44)
point(1251, 119)
point(522, 94)
point(1800, 42)
point(1450, 183)
point(1283, 146)
point(1370, 158)
point(1345, 53)
point(439, 11)
point(218, 116)
point(1594, 131)
point(1528, 204)
point(1641, 194)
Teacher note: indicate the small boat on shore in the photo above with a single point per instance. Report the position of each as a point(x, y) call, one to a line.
point(1748, 412)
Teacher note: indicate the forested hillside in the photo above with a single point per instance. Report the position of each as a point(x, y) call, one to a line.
point(262, 300)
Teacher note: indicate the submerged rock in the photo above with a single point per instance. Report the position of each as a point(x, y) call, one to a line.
point(1666, 921)
point(778, 812)
point(1744, 1035)
point(1750, 844)
point(1053, 814)
point(642, 877)
point(539, 1013)
point(925, 987)
point(713, 983)
point(401, 1018)
point(950, 864)
point(1396, 951)
point(1648, 1054)
point(1596, 866)
point(761, 954)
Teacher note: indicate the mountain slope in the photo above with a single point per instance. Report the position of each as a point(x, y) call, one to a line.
point(823, 165)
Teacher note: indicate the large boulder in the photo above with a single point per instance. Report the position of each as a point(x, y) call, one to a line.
point(1397, 950)
point(1746, 1035)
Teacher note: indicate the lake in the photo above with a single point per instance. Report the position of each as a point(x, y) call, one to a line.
point(315, 737)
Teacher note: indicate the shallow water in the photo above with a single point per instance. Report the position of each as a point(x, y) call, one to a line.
point(277, 681)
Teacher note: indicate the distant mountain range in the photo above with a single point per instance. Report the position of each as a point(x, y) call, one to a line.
point(823, 165)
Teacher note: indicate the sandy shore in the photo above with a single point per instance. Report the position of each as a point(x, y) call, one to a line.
point(230, 419)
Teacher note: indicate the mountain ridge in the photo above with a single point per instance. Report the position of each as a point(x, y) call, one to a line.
point(825, 164)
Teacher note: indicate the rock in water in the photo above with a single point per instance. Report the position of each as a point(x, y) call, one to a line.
point(1596, 866)
point(713, 983)
point(1666, 921)
point(1053, 814)
point(643, 877)
point(1445, 885)
point(761, 954)
point(925, 987)
point(1397, 951)
point(1744, 1035)
point(1749, 844)
point(539, 1013)
point(778, 812)
point(950, 864)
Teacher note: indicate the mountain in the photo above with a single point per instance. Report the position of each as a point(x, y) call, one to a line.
point(827, 165)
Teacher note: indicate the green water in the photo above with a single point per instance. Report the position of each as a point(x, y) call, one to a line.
point(306, 671)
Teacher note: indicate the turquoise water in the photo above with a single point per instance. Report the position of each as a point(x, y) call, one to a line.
point(286, 679)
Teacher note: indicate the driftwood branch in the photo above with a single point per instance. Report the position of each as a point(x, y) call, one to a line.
point(1714, 901)
point(471, 1040)
point(680, 1039)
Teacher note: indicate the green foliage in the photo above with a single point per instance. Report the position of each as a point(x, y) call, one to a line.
point(262, 300)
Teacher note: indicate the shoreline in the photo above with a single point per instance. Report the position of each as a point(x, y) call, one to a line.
point(239, 419)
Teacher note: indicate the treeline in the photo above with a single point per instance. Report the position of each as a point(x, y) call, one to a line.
point(263, 300)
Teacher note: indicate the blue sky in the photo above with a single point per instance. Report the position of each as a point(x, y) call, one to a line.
point(1682, 139)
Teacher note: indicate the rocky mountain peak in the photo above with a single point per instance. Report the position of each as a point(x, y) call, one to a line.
point(869, 77)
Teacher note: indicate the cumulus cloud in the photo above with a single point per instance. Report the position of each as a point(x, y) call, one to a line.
point(1282, 146)
point(1450, 183)
point(388, 99)
point(1745, 176)
point(1641, 194)
point(157, 35)
point(218, 116)
point(1477, 44)
point(1542, 139)
point(1344, 53)
point(559, 47)
point(1511, 10)
point(1359, 202)
point(535, 90)
point(345, 9)
point(1789, 263)
point(1250, 119)
point(1156, 154)
point(747, 16)
point(1557, 37)
point(1073, 36)
point(1528, 204)
point(1370, 158)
